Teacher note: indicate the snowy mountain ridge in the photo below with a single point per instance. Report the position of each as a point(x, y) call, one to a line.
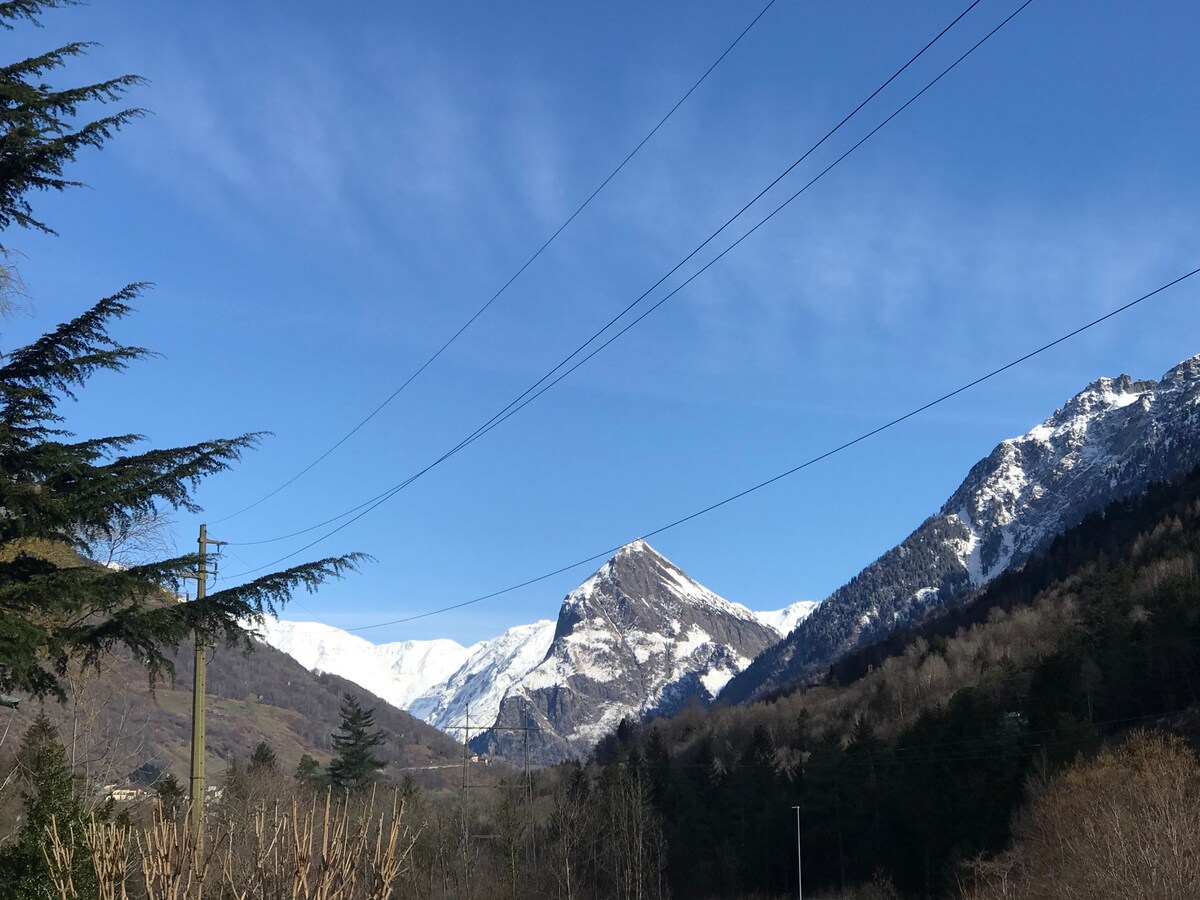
point(472, 693)
point(786, 619)
point(638, 622)
point(1108, 442)
point(399, 672)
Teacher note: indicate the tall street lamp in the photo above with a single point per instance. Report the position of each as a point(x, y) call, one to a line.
point(799, 865)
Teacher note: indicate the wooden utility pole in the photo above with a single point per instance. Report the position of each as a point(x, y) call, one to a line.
point(466, 827)
point(466, 730)
point(198, 786)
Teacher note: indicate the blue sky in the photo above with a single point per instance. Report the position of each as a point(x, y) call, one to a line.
point(323, 197)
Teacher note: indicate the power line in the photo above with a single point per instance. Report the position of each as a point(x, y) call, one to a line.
point(719, 256)
point(479, 312)
point(548, 380)
point(892, 423)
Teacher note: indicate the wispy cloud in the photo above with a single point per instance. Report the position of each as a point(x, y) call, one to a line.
point(892, 270)
point(397, 141)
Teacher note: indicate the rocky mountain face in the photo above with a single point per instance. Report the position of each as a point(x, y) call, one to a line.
point(472, 694)
point(1110, 441)
point(638, 638)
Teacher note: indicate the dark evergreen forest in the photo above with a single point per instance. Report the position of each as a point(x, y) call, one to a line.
point(953, 760)
point(1116, 602)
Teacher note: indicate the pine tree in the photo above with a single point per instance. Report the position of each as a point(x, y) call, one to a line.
point(355, 764)
point(170, 794)
point(38, 136)
point(52, 793)
point(55, 608)
point(235, 785)
point(263, 759)
point(308, 770)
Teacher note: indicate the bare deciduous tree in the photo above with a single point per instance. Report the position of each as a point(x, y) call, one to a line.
point(139, 537)
point(1123, 825)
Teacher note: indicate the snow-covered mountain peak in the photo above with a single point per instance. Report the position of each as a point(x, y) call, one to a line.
point(634, 548)
point(1184, 372)
point(995, 503)
point(638, 637)
point(1108, 442)
point(640, 574)
point(1098, 398)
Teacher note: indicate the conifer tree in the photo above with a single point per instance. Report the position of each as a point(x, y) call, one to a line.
point(308, 770)
point(170, 794)
point(263, 759)
point(38, 134)
point(54, 608)
point(51, 793)
point(355, 764)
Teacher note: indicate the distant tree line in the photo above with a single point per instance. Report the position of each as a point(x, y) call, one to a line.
point(942, 770)
point(919, 766)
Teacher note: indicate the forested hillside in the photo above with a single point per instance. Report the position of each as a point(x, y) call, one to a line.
point(117, 723)
point(962, 760)
point(919, 761)
point(1109, 442)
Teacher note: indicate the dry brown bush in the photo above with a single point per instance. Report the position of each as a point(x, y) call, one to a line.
point(323, 850)
point(1126, 824)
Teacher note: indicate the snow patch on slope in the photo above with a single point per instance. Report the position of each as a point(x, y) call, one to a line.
point(478, 686)
point(784, 620)
point(967, 548)
point(398, 672)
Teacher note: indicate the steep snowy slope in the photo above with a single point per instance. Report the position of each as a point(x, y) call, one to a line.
point(786, 619)
point(398, 672)
point(639, 627)
point(1108, 442)
point(474, 690)
point(637, 638)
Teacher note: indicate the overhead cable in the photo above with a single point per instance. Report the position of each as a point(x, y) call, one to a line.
point(479, 312)
point(548, 380)
point(891, 423)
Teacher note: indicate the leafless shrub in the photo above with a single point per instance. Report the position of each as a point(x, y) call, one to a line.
point(173, 868)
point(323, 850)
point(1123, 825)
point(109, 846)
point(60, 859)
